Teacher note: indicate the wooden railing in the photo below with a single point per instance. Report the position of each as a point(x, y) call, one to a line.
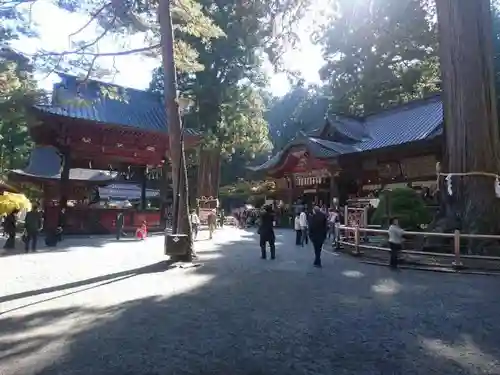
point(357, 238)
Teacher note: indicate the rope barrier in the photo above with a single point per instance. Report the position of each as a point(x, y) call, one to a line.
point(448, 177)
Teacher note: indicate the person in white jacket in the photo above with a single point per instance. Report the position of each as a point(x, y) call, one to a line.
point(303, 228)
point(195, 223)
point(298, 232)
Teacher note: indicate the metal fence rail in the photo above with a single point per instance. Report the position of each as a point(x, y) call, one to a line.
point(371, 243)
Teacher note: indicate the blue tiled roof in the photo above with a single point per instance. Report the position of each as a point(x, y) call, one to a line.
point(412, 122)
point(352, 128)
point(108, 104)
point(415, 121)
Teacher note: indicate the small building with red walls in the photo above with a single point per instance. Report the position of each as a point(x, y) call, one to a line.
point(93, 134)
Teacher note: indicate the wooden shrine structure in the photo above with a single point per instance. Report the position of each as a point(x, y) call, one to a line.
point(355, 157)
point(93, 134)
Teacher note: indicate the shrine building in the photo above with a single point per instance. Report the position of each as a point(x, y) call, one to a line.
point(95, 138)
point(354, 157)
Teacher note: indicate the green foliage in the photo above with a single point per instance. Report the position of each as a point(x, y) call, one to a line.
point(302, 108)
point(119, 21)
point(379, 54)
point(405, 204)
point(18, 91)
point(229, 105)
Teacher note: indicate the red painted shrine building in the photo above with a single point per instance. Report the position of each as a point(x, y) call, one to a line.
point(94, 135)
point(353, 157)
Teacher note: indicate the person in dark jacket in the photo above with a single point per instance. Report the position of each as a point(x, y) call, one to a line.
point(9, 227)
point(120, 222)
point(32, 226)
point(266, 232)
point(61, 224)
point(318, 230)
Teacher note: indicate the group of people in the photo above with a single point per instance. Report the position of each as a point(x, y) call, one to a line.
point(141, 232)
point(33, 223)
point(315, 227)
point(301, 225)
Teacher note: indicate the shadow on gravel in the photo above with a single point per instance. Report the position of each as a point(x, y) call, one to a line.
point(70, 243)
point(257, 317)
point(101, 280)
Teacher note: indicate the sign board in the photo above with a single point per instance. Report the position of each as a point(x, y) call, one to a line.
point(314, 177)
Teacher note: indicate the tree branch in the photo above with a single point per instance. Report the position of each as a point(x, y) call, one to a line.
point(79, 52)
point(93, 16)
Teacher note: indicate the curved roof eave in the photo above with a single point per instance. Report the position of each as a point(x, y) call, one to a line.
point(282, 155)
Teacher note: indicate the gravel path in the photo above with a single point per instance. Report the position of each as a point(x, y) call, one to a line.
point(117, 308)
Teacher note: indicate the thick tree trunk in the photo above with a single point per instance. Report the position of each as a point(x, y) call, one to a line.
point(178, 157)
point(465, 39)
point(209, 173)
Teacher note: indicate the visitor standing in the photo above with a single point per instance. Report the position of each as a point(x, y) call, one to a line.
point(61, 225)
point(195, 223)
point(222, 218)
point(303, 227)
point(120, 222)
point(9, 227)
point(32, 226)
point(318, 229)
point(395, 241)
point(142, 232)
point(266, 232)
point(332, 218)
point(298, 232)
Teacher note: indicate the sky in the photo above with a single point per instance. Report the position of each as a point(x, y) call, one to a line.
point(55, 25)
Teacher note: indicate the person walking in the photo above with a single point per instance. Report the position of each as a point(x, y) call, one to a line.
point(222, 218)
point(303, 227)
point(120, 222)
point(9, 227)
point(32, 226)
point(195, 223)
point(395, 242)
point(212, 223)
point(298, 232)
point(332, 218)
point(266, 232)
point(318, 230)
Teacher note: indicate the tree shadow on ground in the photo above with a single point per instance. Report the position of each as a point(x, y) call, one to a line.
point(252, 317)
point(72, 242)
point(101, 280)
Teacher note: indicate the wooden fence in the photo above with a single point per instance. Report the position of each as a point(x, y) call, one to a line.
point(358, 240)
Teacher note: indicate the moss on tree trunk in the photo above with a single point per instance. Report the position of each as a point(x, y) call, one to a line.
point(471, 130)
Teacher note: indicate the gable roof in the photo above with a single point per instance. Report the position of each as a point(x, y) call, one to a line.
point(415, 121)
point(108, 104)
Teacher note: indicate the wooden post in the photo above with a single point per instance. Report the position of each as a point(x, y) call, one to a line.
point(64, 181)
point(291, 186)
point(356, 241)
point(144, 178)
point(457, 262)
point(334, 189)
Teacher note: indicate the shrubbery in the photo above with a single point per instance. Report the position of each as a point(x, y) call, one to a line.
point(405, 204)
